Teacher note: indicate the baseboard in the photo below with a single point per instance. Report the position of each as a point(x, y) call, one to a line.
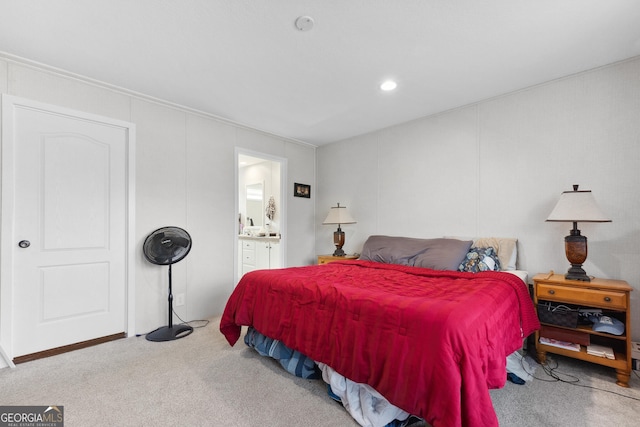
point(67, 348)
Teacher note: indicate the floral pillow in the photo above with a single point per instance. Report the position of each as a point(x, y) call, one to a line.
point(480, 259)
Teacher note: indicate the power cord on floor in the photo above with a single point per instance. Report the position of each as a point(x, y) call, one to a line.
point(553, 372)
point(202, 322)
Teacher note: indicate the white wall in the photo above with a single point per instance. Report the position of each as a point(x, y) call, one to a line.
point(185, 170)
point(497, 168)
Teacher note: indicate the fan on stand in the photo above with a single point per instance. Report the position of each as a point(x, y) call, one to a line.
point(166, 246)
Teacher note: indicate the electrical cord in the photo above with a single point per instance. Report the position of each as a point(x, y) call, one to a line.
point(553, 372)
point(203, 321)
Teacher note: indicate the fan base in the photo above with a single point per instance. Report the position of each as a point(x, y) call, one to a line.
point(167, 333)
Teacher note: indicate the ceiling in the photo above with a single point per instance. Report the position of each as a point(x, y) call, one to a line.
point(245, 60)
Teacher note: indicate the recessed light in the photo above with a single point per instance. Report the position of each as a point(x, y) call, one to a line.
point(388, 85)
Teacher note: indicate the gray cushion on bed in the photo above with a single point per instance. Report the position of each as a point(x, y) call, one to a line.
point(438, 254)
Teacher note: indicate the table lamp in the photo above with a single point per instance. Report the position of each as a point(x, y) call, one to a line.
point(577, 206)
point(339, 215)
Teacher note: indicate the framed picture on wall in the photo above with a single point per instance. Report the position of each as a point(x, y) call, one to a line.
point(301, 190)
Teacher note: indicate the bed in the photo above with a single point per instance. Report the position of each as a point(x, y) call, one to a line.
point(402, 319)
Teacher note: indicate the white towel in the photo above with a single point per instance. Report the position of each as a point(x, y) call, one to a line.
point(518, 365)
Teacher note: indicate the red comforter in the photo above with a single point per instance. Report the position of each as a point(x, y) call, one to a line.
point(432, 342)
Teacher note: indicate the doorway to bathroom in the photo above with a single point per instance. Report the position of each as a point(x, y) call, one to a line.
point(260, 211)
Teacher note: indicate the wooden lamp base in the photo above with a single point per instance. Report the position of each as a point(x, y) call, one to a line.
point(575, 246)
point(338, 240)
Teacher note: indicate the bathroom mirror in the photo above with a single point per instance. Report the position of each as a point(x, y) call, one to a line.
point(254, 194)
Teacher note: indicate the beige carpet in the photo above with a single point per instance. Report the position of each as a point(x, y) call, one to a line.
point(200, 381)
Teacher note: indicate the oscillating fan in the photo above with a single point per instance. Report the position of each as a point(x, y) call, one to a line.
point(166, 246)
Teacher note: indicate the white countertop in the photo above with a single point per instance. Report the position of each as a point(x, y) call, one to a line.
point(260, 238)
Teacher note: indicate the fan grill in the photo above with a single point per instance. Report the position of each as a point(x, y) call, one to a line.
point(167, 245)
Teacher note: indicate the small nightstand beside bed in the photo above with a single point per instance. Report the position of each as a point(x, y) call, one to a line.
point(432, 341)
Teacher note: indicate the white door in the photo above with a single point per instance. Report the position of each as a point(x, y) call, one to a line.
point(69, 231)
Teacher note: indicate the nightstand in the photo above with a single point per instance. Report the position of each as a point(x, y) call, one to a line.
point(325, 259)
point(611, 296)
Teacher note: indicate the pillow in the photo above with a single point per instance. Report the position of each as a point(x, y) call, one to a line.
point(480, 259)
point(391, 249)
point(505, 247)
point(442, 254)
point(438, 254)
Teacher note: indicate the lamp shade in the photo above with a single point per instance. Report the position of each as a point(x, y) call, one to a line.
point(577, 206)
point(339, 215)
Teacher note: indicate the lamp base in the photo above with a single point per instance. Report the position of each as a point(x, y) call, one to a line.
point(338, 240)
point(576, 272)
point(576, 250)
point(339, 252)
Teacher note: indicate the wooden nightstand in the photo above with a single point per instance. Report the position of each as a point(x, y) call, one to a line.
point(611, 296)
point(325, 259)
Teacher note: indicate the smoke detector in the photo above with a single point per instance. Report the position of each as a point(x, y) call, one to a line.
point(304, 23)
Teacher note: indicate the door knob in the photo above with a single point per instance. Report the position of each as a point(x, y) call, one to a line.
point(24, 244)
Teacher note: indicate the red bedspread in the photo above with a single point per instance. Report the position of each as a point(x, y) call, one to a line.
point(431, 342)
